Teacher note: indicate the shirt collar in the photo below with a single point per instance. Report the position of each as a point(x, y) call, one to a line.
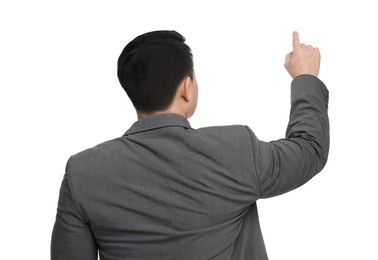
point(158, 121)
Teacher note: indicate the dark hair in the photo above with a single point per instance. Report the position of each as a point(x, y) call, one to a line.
point(151, 67)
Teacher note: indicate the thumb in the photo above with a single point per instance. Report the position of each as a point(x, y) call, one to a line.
point(287, 59)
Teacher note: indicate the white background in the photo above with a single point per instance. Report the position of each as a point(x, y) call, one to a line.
point(60, 95)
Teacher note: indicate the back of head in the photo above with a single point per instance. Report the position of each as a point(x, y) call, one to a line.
point(151, 67)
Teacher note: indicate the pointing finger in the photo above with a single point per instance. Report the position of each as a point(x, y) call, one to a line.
point(295, 40)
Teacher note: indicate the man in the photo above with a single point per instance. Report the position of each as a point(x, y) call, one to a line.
point(167, 191)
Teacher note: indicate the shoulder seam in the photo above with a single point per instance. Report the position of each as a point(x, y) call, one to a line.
point(68, 171)
point(254, 163)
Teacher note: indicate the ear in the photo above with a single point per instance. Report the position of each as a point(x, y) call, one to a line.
point(186, 89)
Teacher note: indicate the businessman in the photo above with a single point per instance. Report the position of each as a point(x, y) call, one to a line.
point(165, 190)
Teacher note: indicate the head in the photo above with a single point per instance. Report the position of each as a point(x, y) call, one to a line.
point(156, 71)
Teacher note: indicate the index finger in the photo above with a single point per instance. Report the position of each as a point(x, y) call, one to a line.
point(295, 40)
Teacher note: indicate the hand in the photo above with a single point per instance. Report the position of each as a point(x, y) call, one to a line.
point(304, 59)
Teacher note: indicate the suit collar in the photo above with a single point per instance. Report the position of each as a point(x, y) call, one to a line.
point(158, 121)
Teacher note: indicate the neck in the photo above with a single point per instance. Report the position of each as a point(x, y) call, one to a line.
point(143, 115)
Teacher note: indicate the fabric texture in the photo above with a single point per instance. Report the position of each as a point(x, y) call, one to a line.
point(167, 191)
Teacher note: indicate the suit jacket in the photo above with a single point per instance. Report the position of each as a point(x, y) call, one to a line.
point(167, 191)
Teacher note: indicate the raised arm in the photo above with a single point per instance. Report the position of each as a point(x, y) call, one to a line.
point(288, 163)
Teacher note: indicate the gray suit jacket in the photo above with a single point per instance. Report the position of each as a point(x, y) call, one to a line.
point(167, 191)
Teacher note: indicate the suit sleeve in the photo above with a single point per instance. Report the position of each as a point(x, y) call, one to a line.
point(286, 164)
point(72, 238)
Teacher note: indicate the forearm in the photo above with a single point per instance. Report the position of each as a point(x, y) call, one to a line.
point(288, 163)
point(309, 114)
